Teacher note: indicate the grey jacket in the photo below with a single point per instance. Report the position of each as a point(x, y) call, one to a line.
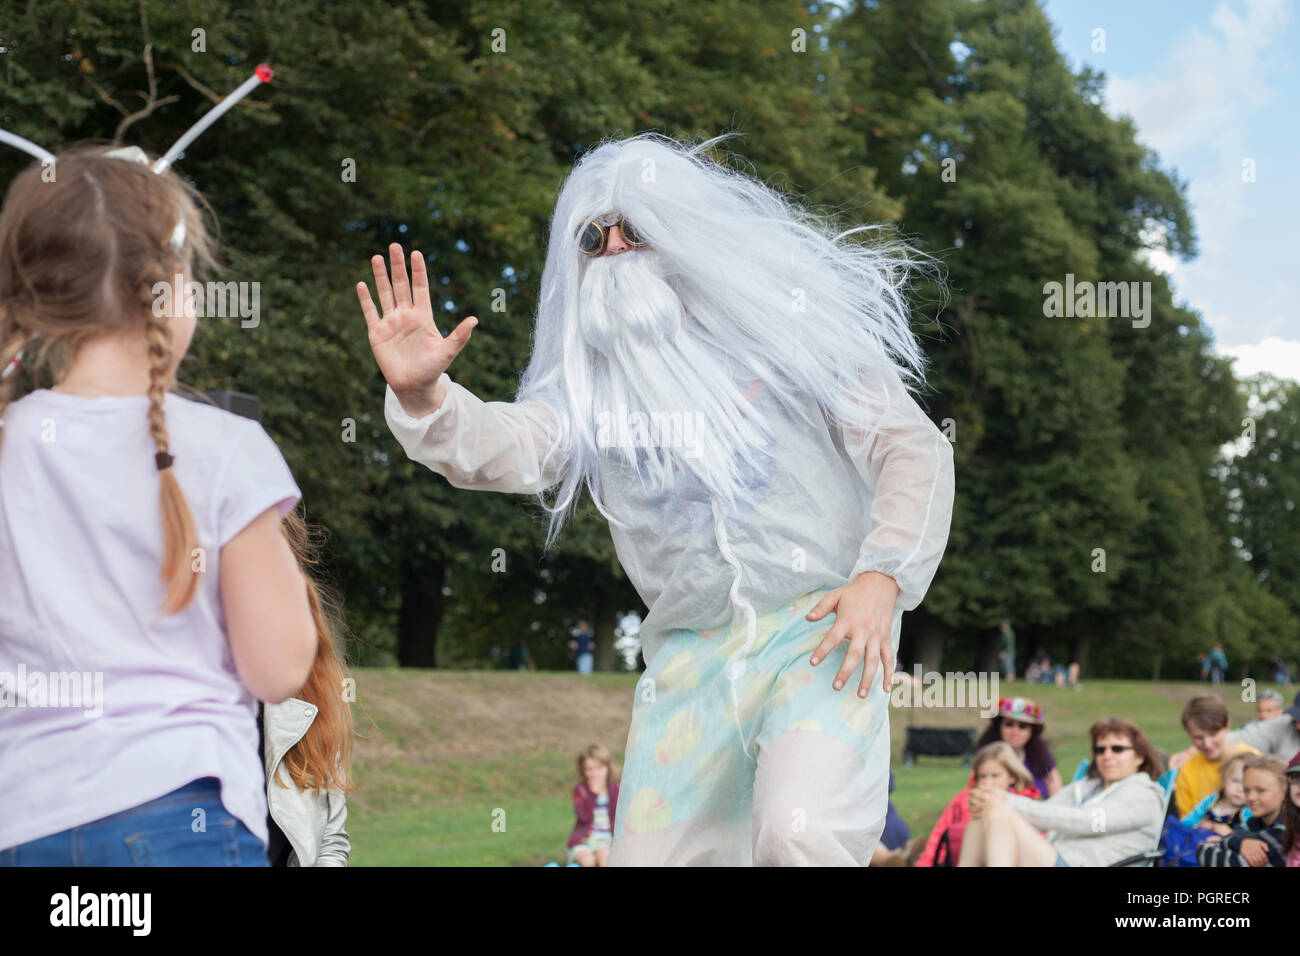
point(1119, 821)
point(312, 822)
point(1276, 736)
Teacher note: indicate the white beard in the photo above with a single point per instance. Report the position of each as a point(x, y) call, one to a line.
point(690, 322)
point(655, 366)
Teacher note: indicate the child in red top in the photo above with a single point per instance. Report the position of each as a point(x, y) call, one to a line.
point(996, 767)
point(594, 799)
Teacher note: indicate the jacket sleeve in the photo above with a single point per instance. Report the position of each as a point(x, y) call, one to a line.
point(1220, 853)
point(488, 446)
point(1271, 837)
point(1129, 812)
point(582, 806)
point(1264, 735)
point(335, 847)
point(584, 815)
point(908, 464)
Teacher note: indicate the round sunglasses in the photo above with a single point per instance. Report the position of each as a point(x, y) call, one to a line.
point(594, 237)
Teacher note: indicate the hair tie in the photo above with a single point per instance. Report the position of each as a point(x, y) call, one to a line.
point(163, 460)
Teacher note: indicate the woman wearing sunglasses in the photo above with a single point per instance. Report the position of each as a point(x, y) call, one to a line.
point(1020, 723)
point(1113, 813)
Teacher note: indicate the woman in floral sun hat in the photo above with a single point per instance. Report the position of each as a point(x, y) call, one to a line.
point(1019, 722)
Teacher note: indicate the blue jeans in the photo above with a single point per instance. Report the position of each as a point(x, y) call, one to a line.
point(157, 833)
point(584, 663)
point(1060, 861)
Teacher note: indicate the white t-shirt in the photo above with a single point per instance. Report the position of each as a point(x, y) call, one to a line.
point(105, 703)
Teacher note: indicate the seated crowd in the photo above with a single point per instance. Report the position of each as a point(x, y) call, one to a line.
point(1232, 798)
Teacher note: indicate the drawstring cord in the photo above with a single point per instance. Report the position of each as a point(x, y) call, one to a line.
point(736, 664)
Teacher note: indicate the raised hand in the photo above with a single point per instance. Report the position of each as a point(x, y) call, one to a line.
point(405, 340)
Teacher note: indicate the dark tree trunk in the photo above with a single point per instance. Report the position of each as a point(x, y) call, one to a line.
point(604, 620)
point(986, 652)
point(1079, 654)
point(929, 645)
point(421, 613)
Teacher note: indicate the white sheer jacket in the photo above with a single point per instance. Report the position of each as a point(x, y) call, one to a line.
point(831, 504)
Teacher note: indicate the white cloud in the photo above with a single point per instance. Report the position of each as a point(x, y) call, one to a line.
point(1153, 249)
point(1200, 100)
point(1277, 356)
point(1208, 82)
point(1201, 105)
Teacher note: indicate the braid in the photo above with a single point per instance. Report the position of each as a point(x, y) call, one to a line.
point(179, 534)
point(159, 339)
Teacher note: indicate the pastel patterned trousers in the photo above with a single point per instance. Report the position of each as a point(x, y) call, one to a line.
point(759, 763)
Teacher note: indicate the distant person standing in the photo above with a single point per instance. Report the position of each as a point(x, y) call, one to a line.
point(1218, 664)
point(583, 642)
point(1008, 653)
point(1281, 673)
point(521, 659)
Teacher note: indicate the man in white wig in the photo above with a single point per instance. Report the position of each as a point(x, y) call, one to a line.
point(728, 379)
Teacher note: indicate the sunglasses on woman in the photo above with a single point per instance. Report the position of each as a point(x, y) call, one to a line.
point(595, 236)
point(1016, 724)
point(1113, 748)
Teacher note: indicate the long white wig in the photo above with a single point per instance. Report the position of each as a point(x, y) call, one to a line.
point(738, 283)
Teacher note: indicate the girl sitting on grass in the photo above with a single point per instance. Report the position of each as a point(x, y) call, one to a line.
point(595, 796)
point(996, 767)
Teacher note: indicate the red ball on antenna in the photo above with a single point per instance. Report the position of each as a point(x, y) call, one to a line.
point(264, 72)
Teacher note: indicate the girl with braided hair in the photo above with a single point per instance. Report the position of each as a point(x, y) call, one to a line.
point(148, 598)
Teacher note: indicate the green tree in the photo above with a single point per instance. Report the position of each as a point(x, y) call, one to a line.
point(1265, 489)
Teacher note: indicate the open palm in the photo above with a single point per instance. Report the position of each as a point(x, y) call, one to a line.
point(409, 349)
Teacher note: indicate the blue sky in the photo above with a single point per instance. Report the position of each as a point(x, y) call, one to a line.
point(1208, 85)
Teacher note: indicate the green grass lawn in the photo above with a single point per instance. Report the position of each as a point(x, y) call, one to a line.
point(475, 768)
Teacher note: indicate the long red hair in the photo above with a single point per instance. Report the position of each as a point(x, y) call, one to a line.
point(322, 759)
